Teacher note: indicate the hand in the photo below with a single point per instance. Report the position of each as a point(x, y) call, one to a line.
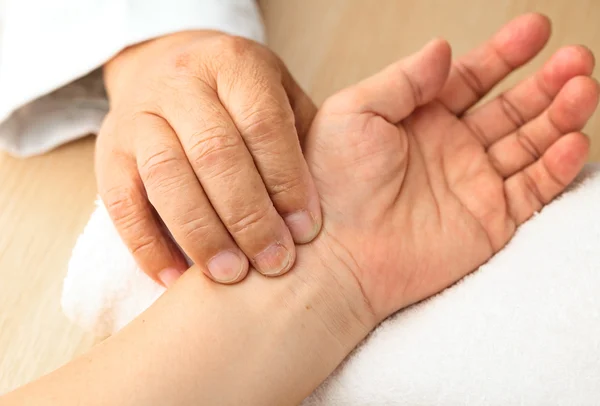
point(416, 189)
point(203, 140)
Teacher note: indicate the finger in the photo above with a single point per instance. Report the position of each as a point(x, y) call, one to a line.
point(260, 109)
point(534, 187)
point(175, 192)
point(477, 72)
point(397, 90)
point(229, 177)
point(569, 112)
point(529, 98)
point(134, 218)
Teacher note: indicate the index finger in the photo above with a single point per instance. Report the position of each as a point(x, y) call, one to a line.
point(254, 95)
point(473, 75)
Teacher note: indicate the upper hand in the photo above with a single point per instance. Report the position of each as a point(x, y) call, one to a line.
point(203, 139)
point(418, 188)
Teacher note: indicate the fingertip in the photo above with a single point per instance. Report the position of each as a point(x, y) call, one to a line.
point(434, 67)
point(566, 63)
point(275, 260)
point(440, 51)
point(567, 156)
point(575, 104)
point(523, 37)
point(582, 92)
point(587, 57)
point(305, 224)
point(227, 267)
point(534, 21)
point(440, 45)
point(169, 276)
point(542, 20)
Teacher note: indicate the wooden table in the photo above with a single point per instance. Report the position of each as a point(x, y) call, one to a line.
point(45, 201)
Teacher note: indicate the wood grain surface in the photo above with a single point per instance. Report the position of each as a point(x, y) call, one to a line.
point(45, 201)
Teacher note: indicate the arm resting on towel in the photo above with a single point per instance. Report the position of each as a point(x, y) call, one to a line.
point(262, 342)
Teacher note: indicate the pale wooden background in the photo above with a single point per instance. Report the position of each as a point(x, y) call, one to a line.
point(45, 201)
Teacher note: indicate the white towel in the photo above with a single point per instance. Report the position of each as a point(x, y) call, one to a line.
point(522, 330)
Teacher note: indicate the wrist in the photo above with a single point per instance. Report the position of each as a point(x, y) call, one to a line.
point(317, 315)
point(295, 329)
point(322, 279)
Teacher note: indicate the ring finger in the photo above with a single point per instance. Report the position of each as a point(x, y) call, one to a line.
point(176, 194)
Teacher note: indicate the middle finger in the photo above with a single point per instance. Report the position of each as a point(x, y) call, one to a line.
point(226, 170)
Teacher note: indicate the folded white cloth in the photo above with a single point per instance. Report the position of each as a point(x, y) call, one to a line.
point(522, 330)
point(51, 89)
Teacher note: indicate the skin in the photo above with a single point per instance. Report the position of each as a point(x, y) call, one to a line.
point(203, 140)
point(437, 189)
point(273, 341)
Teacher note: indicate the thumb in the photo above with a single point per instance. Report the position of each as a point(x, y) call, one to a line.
point(396, 91)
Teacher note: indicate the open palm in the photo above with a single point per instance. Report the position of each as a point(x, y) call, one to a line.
point(418, 190)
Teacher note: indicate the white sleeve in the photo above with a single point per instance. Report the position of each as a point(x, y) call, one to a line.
point(51, 88)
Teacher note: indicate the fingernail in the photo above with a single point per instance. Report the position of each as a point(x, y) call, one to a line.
point(226, 266)
point(168, 276)
point(302, 225)
point(273, 261)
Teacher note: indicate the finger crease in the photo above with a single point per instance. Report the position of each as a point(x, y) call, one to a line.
point(511, 111)
point(507, 65)
point(471, 79)
point(477, 132)
point(542, 88)
point(495, 162)
point(553, 124)
point(528, 145)
point(151, 163)
point(196, 229)
point(244, 222)
point(553, 177)
point(416, 90)
point(287, 186)
point(510, 203)
point(533, 188)
point(142, 246)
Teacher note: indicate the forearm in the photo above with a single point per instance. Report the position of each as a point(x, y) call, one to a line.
point(262, 342)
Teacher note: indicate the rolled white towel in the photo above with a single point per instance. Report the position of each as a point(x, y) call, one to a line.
point(522, 330)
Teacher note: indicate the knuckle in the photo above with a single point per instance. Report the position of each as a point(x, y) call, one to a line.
point(184, 60)
point(159, 166)
point(289, 187)
point(123, 205)
point(234, 46)
point(143, 244)
point(252, 218)
point(213, 146)
point(240, 59)
point(184, 63)
point(265, 122)
point(195, 227)
point(195, 232)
